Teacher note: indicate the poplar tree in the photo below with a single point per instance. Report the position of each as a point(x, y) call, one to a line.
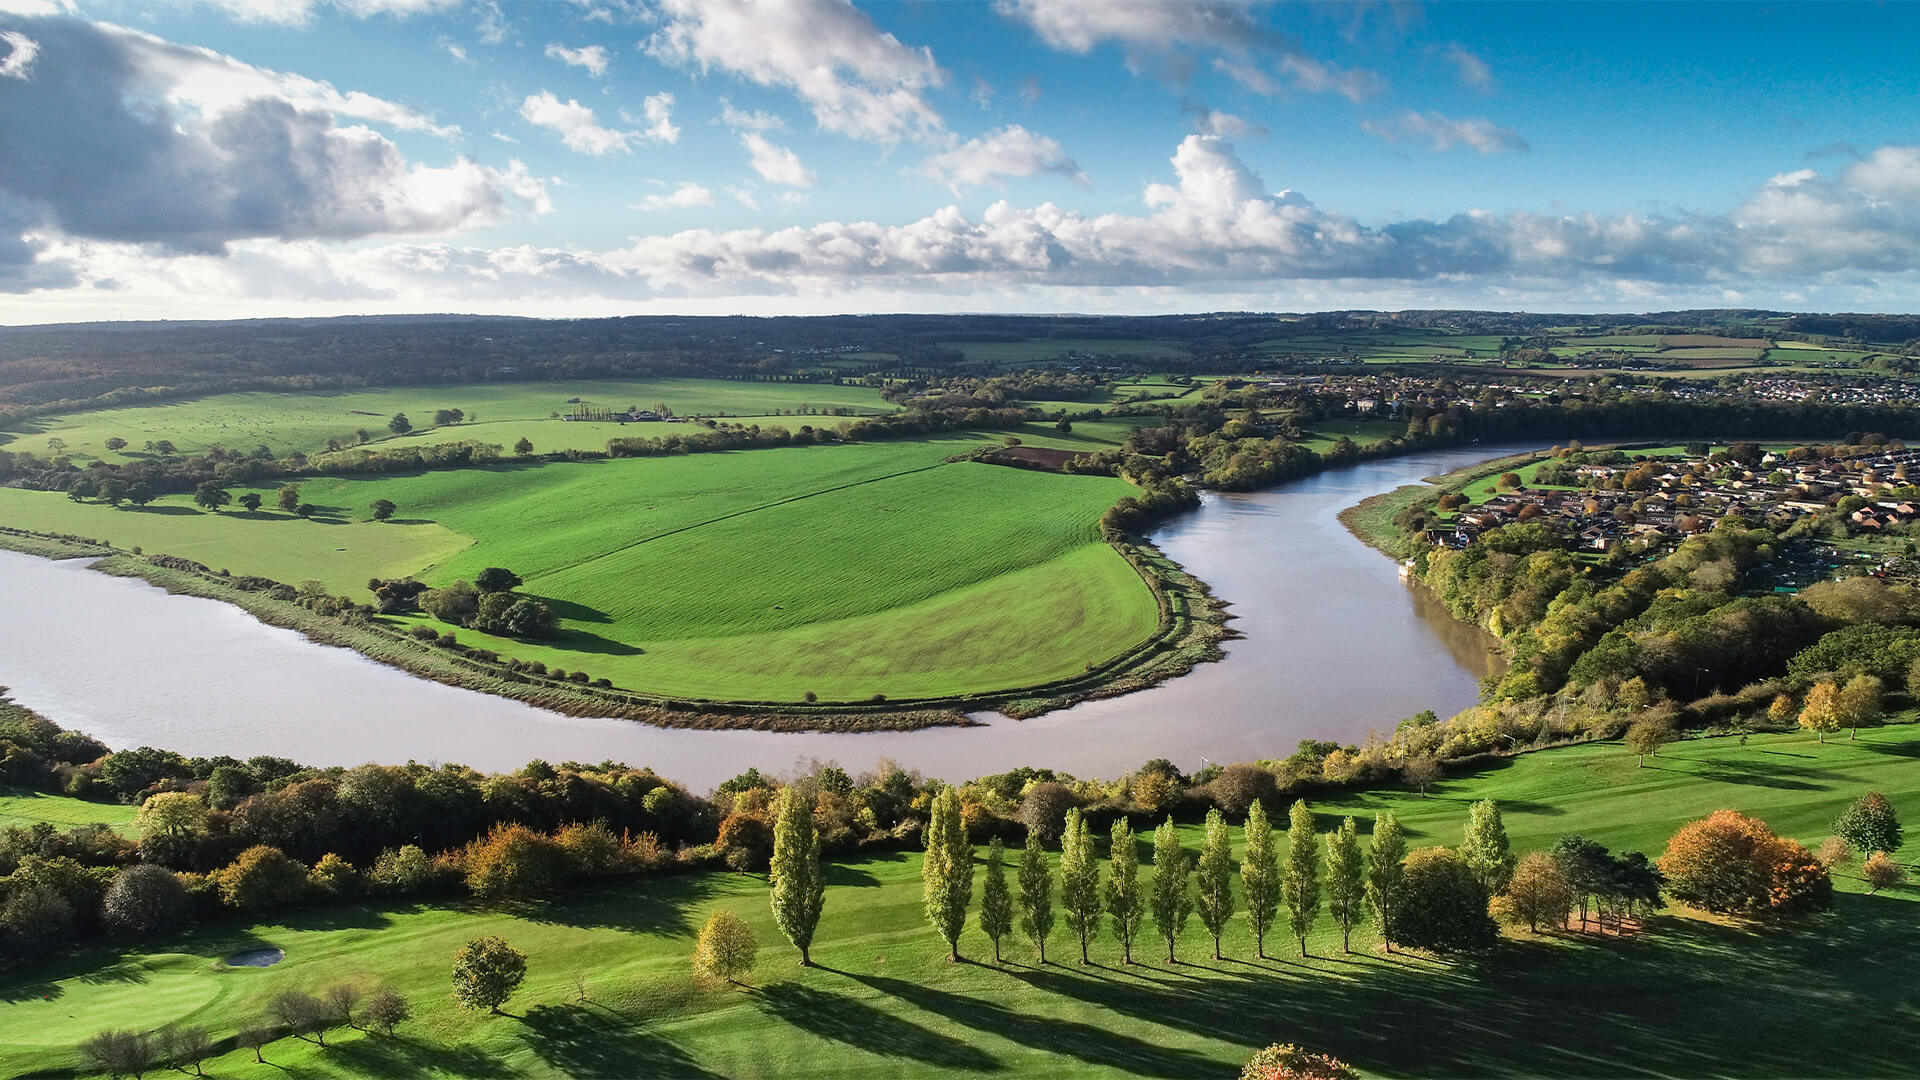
point(1216, 878)
point(1386, 854)
point(799, 887)
point(1036, 894)
point(1260, 876)
point(996, 903)
point(1485, 847)
point(1300, 884)
point(946, 875)
point(1346, 880)
point(1171, 902)
point(1079, 881)
point(1123, 887)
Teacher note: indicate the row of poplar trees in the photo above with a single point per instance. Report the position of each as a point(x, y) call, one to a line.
point(1355, 883)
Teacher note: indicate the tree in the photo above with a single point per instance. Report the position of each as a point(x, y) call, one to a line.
point(512, 862)
point(1729, 862)
point(799, 888)
point(1485, 847)
point(382, 509)
point(342, 1002)
point(1239, 786)
point(287, 497)
point(139, 494)
point(1124, 901)
point(996, 901)
point(496, 579)
point(1036, 893)
point(1881, 872)
point(1386, 871)
point(399, 425)
point(262, 877)
point(1538, 891)
point(456, 604)
point(524, 447)
point(145, 899)
point(300, 1015)
point(1442, 905)
point(256, 1037)
point(115, 443)
point(211, 496)
point(1346, 880)
point(1044, 809)
point(250, 501)
point(1821, 713)
point(1421, 772)
point(1171, 901)
point(1285, 1061)
point(119, 1053)
point(1079, 881)
point(725, 950)
point(385, 1010)
point(1215, 899)
point(1869, 824)
point(1587, 867)
point(1300, 880)
point(1260, 876)
point(1860, 703)
point(486, 972)
point(1648, 734)
point(946, 874)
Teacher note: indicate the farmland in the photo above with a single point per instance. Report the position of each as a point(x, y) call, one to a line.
point(1683, 997)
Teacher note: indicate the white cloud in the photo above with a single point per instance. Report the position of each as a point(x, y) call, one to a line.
point(657, 113)
point(1445, 133)
point(575, 123)
point(1472, 70)
point(504, 137)
point(775, 164)
point(859, 80)
point(594, 58)
point(749, 120)
point(1215, 122)
point(298, 12)
point(458, 52)
point(744, 197)
point(1079, 26)
point(21, 50)
point(682, 197)
point(492, 26)
point(1010, 151)
point(1319, 77)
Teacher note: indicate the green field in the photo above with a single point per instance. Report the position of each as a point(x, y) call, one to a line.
point(1689, 996)
point(503, 411)
point(28, 808)
point(845, 571)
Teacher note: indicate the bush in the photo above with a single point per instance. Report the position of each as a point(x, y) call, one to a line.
point(145, 899)
point(1728, 862)
point(1285, 1061)
point(1869, 824)
point(1442, 906)
point(333, 876)
point(1237, 786)
point(1881, 872)
point(1044, 809)
point(402, 870)
point(512, 861)
point(262, 877)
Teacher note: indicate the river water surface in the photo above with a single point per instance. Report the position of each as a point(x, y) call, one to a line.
point(1334, 645)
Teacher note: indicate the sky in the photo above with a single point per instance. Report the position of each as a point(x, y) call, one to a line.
point(243, 158)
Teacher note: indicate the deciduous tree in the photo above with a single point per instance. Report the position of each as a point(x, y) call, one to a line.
point(1215, 872)
point(1538, 891)
point(1036, 893)
point(1870, 824)
point(1442, 905)
point(1260, 876)
point(1648, 734)
point(386, 1009)
point(996, 900)
point(1079, 881)
point(1730, 862)
point(1821, 712)
point(1386, 870)
point(1881, 872)
point(486, 972)
point(1124, 901)
point(946, 874)
point(1485, 847)
point(382, 509)
point(1172, 902)
point(725, 950)
point(1300, 881)
point(799, 887)
point(1346, 880)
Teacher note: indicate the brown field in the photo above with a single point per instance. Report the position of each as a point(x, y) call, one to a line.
point(1710, 341)
point(1707, 357)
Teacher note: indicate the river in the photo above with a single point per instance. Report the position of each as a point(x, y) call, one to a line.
point(1334, 645)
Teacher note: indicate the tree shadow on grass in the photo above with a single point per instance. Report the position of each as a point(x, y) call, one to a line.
point(1781, 777)
point(667, 907)
point(582, 642)
point(573, 611)
point(1098, 1046)
point(859, 1025)
point(596, 1042)
point(165, 511)
point(842, 874)
point(401, 1056)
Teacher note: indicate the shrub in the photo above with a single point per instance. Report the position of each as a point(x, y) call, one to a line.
point(1869, 824)
point(592, 850)
point(1237, 786)
point(145, 899)
point(1285, 1061)
point(1728, 862)
point(401, 870)
point(1442, 906)
point(1044, 809)
point(1881, 872)
point(512, 861)
point(333, 876)
point(262, 877)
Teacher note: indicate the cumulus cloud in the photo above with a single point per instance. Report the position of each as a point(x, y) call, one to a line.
point(775, 164)
point(748, 119)
point(581, 131)
point(120, 136)
point(1445, 133)
point(682, 197)
point(858, 80)
point(1215, 122)
point(1472, 71)
point(593, 58)
point(1011, 151)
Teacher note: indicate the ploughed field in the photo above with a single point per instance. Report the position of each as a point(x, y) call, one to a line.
point(842, 571)
point(1687, 996)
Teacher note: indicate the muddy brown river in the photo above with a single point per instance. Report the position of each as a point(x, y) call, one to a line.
point(1334, 645)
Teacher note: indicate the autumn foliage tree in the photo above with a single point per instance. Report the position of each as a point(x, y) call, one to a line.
point(1539, 891)
point(1821, 712)
point(1729, 862)
point(1285, 1061)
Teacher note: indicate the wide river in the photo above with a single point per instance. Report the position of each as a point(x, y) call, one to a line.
point(1334, 645)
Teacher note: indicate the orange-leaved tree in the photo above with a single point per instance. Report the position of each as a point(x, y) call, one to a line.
point(1729, 862)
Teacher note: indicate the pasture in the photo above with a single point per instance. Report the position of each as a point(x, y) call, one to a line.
point(25, 808)
point(1687, 996)
point(496, 412)
point(844, 571)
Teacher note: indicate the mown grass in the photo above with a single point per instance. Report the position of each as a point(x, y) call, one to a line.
point(1689, 996)
point(844, 571)
point(305, 421)
point(31, 807)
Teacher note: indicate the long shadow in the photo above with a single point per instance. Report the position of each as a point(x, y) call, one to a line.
point(583, 642)
point(594, 1042)
point(378, 1055)
point(842, 874)
point(666, 907)
point(857, 1024)
point(573, 611)
point(1103, 1047)
point(165, 511)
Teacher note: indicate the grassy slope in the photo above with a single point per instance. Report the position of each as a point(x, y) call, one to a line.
point(1690, 997)
point(845, 571)
point(305, 421)
point(30, 807)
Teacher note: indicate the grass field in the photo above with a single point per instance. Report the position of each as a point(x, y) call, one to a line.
point(844, 571)
point(1688, 997)
point(31, 807)
point(503, 411)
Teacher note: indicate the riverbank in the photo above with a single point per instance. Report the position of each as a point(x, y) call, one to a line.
point(1373, 519)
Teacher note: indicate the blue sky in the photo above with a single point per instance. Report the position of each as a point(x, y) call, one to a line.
point(586, 157)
